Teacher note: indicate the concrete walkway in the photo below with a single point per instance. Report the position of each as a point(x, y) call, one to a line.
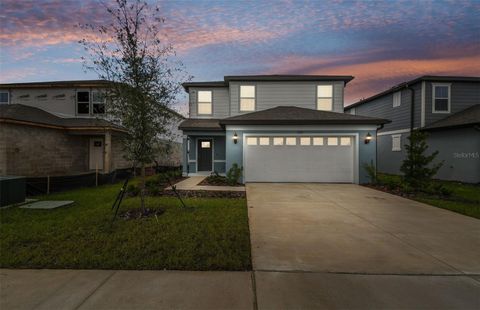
point(347, 246)
point(106, 289)
point(191, 183)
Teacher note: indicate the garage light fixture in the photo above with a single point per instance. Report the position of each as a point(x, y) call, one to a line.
point(368, 138)
point(235, 138)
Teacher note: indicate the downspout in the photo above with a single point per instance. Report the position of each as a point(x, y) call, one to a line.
point(187, 153)
point(376, 147)
point(412, 117)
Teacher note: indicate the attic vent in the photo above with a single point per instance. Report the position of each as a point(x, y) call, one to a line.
point(42, 97)
point(59, 97)
point(24, 96)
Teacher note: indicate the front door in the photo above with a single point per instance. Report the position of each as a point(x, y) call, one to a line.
point(204, 154)
point(96, 154)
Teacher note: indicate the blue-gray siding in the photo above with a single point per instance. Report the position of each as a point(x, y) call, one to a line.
point(274, 94)
point(220, 102)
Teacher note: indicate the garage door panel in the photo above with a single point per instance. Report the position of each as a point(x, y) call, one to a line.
point(299, 163)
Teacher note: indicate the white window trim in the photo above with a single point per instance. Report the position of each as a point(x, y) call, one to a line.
point(8, 96)
point(211, 102)
point(318, 97)
point(399, 148)
point(395, 94)
point(240, 98)
point(433, 97)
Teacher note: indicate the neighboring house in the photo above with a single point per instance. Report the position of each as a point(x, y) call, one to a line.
point(448, 108)
point(279, 128)
point(59, 128)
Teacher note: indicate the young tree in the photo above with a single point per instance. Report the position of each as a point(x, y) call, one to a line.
point(129, 51)
point(417, 167)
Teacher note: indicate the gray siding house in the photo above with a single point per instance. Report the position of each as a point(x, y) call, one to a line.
point(448, 108)
point(279, 128)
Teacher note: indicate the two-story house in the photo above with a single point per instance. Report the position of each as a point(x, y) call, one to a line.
point(60, 128)
point(279, 128)
point(448, 108)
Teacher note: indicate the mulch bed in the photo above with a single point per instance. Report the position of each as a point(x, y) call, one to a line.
point(217, 181)
point(204, 194)
point(137, 213)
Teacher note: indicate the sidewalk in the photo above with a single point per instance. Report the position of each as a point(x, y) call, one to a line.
point(190, 184)
point(109, 289)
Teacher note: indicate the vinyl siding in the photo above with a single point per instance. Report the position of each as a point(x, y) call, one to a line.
point(389, 161)
point(273, 94)
point(463, 95)
point(220, 98)
point(383, 107)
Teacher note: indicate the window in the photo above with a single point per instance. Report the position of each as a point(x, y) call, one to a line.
point(83, 102)
point(4, 97)
point(290, 141)
point(278, 141)
point(304, 140)
point(345, 141)
point(396, 143)
point(251, 140)
point(441, 98)
point(204, 102)
point(332, 141)
point(247, 98)
point(205, 144)
point(324, 97)
point(317, 140)
point(98, 102)
point(397, 98)
point(264, 140)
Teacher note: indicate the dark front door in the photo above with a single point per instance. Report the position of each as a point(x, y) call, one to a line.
point(204, 152)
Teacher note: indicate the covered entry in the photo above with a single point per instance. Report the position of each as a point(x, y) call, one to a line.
point(306, 158)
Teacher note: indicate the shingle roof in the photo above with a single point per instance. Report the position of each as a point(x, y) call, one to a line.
point(432, 78)
point(200, 124)
point(467, 117)
point(24, 113)
point(74, 83)
point(290, 115)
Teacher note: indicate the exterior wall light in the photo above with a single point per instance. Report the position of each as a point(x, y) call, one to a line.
point(235, 138)
point(368, 138)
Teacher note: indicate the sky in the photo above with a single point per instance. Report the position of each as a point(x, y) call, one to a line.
point(380, 43)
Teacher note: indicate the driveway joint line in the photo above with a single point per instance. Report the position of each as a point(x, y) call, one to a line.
point(370, 273)
point(395, 236)
point(95, 289)
point(54, 292)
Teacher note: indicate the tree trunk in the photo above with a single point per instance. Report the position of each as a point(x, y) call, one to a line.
point(142, 190)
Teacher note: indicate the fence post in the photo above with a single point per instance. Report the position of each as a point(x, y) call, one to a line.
point(48, 184)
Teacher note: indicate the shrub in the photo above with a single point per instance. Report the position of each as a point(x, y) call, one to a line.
point(371, 172)
point(133, 190)
point(416, 167)
point(234, 174)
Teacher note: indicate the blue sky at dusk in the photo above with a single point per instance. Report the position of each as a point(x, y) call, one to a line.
point(381, 43)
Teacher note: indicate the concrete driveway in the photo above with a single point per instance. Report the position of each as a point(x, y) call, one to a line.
point(343, 245)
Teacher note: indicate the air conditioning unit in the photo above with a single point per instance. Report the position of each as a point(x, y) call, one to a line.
point(12, 190)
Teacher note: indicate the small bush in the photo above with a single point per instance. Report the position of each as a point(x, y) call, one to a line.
point(133, 190)
point(234, 174)
point(371, 172)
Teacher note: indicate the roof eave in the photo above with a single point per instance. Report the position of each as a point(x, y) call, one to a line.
point(305, 122)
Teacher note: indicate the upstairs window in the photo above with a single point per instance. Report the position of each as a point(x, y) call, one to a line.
point(441, 98)
point(247, 98)
point(4, 97)
point(98, 102)
point(204, 102)
point(83, 102)
point(397, 99)
point(325, 97)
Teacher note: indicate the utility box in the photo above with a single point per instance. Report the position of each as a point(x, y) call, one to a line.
point(12, 190)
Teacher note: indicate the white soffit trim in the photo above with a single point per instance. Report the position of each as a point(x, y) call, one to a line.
point(422, 112)
point(384, 133)
point(300, 127)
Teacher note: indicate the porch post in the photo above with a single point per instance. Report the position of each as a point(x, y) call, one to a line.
point(107, 160)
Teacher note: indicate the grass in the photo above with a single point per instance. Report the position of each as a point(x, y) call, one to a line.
point(212, 236)
point(464, 198)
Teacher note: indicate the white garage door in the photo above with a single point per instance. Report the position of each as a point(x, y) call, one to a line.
point(299, 159)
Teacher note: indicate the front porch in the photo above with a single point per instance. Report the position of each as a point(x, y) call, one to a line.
point(204, 153)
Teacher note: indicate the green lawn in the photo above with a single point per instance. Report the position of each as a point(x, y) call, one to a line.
point(212, 236)
point(465, 198)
